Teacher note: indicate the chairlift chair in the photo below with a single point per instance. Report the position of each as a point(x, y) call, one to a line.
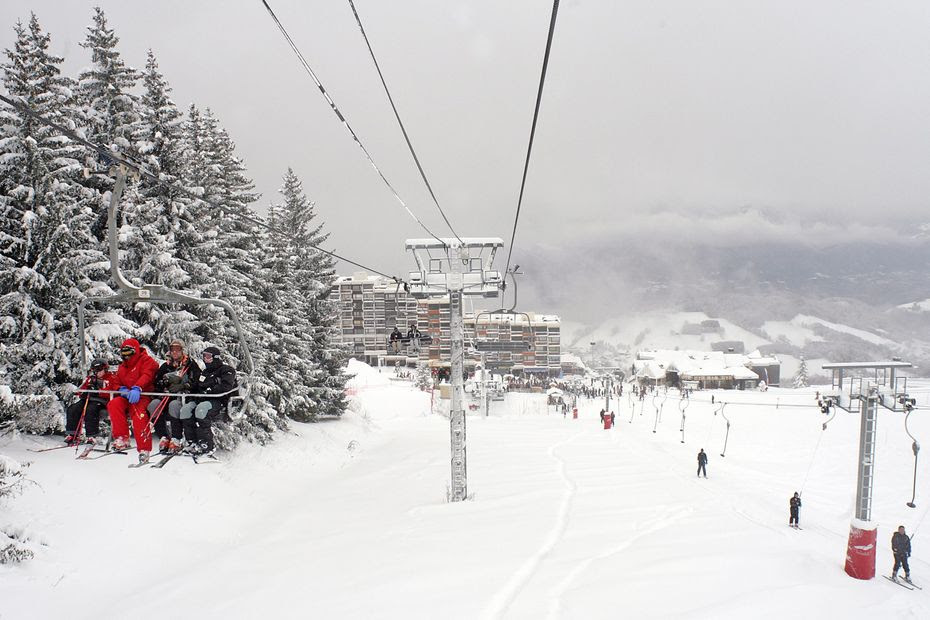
point(240, 397)
point(520, 346)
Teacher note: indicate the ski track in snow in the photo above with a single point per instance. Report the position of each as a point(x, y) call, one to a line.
point(555, 606)
point(502, 601)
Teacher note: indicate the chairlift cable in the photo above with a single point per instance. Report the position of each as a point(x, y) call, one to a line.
point(143, 171)
point(529, 148)
point(345, 122)
point(403, 129)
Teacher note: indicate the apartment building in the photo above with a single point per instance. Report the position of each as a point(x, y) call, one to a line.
point(370, 307)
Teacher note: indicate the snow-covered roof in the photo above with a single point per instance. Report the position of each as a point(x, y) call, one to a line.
point(690, 363)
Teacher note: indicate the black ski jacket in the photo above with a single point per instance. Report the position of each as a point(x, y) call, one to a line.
point(216, 379)
point(702, 458)
point(795, 503)
point(901, 544)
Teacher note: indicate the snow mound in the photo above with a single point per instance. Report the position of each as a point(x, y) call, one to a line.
point(364, 375)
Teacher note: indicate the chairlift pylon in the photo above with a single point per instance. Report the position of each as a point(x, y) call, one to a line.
point(156, 293)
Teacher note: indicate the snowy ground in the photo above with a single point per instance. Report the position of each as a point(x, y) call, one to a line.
point(566, 521)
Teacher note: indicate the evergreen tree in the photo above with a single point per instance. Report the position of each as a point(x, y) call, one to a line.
point(45, 242)
point(108, 107)
point(159, 233)
point(321, 384)
point(801, 379)
point(235, 258)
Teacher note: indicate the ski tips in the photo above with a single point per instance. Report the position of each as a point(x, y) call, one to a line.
point(911, 505)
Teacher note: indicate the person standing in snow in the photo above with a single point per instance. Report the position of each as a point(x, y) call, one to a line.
point(135, 375)
point(89, 403)
point(794, 506)
point(702, 463)
point(175, 376)
point(901, 547)
point(198, 417)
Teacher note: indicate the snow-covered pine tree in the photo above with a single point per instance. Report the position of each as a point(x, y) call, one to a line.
point(44, 224)
point(312, 280)
point(290, 365)
point(235, 260)
point(108, 107)
point(801, 379)
point(159, 234)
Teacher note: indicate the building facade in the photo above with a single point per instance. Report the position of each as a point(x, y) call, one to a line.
point(371, 306)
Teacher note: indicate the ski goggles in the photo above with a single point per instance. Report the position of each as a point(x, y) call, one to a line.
point(207, 357)
point(175, 347)
point(127, 352)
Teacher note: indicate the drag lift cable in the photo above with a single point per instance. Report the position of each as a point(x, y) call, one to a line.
point(403, 129)
point(916, 448)
point(345, 123)
point(727, 436)
point(825, 406)
point(683, 405)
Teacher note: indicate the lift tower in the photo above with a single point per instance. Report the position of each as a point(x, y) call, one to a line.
point(889, 391)
point(455, 267)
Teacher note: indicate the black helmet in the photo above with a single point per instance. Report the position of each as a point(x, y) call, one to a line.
point(99, 364)
point(213, 352)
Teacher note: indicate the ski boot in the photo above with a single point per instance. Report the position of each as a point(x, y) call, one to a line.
point(144, 457)
point(163, 444)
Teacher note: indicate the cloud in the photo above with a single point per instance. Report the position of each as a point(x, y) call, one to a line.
point(737, 228)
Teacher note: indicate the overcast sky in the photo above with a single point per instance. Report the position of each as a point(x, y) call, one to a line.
point(762, 116)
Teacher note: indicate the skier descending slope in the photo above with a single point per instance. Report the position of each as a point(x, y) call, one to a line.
point(135, 375)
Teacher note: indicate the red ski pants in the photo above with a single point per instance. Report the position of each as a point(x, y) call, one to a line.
point(120, 409)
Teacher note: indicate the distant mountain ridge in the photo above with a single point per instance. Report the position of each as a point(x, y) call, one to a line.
point(840, 302)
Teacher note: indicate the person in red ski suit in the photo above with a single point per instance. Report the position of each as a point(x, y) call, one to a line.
point(135, 375)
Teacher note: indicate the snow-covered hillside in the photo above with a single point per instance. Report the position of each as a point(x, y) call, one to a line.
point(917, 306)
point(348, 519)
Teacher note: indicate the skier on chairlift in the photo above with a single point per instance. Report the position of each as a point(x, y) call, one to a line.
point(135, 375)
point(396, 337)
point(89, 403)
point(176, 376)
point(198, 415)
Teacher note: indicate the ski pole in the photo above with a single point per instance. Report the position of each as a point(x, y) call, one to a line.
point(76, 438)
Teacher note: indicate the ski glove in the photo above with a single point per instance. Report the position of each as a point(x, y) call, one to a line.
point(124, 392)
point(134, 395)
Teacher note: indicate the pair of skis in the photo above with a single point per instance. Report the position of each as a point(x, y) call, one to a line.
point(198, 459)
point(910, 585)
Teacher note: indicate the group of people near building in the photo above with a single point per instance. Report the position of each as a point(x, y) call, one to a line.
point(177, 399)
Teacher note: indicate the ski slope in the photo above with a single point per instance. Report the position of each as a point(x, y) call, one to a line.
point(348, 519)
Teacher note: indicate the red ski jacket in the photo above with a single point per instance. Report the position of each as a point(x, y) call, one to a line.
point(93, 382)
point(138, 369)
